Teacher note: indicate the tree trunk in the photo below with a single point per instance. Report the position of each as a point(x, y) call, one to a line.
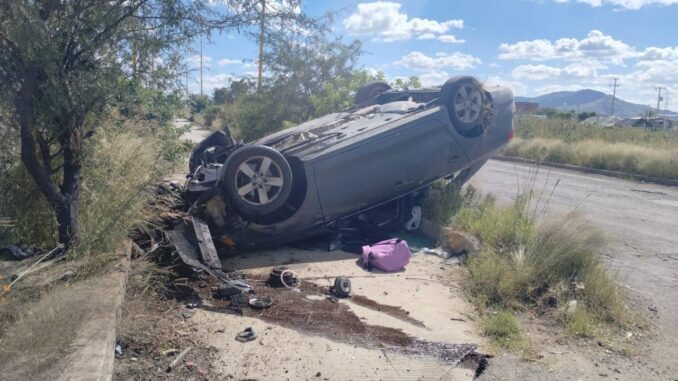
point(63, 199)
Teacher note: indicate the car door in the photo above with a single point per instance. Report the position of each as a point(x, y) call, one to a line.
point(366, 174)
point(431, 153)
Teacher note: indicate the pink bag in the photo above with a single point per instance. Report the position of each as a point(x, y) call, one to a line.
point(389, 255)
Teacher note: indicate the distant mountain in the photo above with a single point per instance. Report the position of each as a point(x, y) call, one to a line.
point(588, 100)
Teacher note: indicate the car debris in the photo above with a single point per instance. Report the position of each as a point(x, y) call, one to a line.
point(342, 287)
point(281, 276)
point(178, 359)
point(390, 255)
point(260, 302)
point(246, 335)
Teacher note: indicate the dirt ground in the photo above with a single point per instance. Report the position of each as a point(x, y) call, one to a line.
point(306, 336)
point(641, 221)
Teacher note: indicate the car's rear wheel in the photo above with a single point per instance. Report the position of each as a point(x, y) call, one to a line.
point(370, 90)
point(465, 100)
point(257, 180)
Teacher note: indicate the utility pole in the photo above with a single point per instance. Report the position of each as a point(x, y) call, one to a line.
point(659, 96)
point(261, 43)
point(614, 93)
point(201, 65)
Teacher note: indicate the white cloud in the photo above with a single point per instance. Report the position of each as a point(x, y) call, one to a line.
point(385, 21)
point(544, 72)
point(596, 46)
point(229, 61)
point(420, 61)
point(450, 39)
point(194, 61)
point(427, 36)
point(434, 78)
point(624, 4)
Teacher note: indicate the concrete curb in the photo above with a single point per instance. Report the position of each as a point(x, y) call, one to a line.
point(604, 172)
point(94, 345)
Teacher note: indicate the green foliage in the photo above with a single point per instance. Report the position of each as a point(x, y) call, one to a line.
point(504, 330)
point(554, 113)
point(339, 93)
point(585, 115)
point(529, 263)
point(302, 69)
point(412, 82)
point(211, 113)
point(199, 103)
point(220, 95)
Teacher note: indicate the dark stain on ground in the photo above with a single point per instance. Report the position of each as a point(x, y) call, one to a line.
point(394, 311)
point(309, 311)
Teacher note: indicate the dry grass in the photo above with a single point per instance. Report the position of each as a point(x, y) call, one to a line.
point(42, 332)
point(623, 157)
point(571, 131)
point(528, 262)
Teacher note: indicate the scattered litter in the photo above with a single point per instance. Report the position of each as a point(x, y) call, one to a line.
point(170, 351)
point(571, 307)
point(238, 300)
point(457, 259)
point(415, 221)
point(19, 252)
point(246, 335)
point(260, 302)
point(192, 304)
point(187, 314)
point(281, 276)
point(227, 291)
point(437, 251)
point(342, 287)
point(178, 359)
point(389, 255)
point(118, 349)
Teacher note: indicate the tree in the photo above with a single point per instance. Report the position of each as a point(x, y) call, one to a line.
point(411, 83)
point(340, 93)
point(63, 64)
point(220, 95)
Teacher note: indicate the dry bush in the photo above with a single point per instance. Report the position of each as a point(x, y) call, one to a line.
point(529, 262)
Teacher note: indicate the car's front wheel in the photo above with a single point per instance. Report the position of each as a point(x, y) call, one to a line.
point(370, 90)
point(257, 180)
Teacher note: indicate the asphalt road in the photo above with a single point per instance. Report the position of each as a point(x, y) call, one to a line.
point(641, 221)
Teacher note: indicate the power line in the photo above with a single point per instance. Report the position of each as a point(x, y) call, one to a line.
point(659, 96)
point(614, 93)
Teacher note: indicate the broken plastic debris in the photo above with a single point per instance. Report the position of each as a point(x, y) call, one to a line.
point(246, 335)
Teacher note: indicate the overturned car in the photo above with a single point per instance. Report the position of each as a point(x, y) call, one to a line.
point(383, 151)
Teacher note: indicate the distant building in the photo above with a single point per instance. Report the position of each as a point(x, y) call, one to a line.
point(641, 121)
point(526, 107)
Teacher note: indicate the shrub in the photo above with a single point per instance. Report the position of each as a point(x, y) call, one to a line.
point(526, 262)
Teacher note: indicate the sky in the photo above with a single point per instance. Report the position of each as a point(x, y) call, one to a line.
point(533, 46)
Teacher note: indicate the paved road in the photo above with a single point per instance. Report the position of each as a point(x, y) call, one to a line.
point(640, 219)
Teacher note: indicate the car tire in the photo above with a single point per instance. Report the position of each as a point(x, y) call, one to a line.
point(370, 90)
point(257, 180)
point(465, 100)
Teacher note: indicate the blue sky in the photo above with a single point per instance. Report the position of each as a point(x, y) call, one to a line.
point(533, 46)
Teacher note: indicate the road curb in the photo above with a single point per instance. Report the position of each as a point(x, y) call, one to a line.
point(94, 355)
point(595, 171)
